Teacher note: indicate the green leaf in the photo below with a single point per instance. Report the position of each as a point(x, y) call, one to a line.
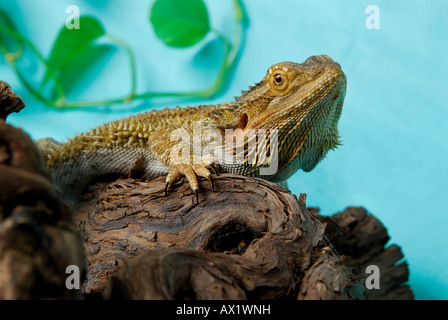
point(72, 44)
point(8, 44)
point(81, 66)
point(69, 41)
point(180, 23)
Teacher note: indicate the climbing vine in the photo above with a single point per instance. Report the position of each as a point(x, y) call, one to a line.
point(178, 23)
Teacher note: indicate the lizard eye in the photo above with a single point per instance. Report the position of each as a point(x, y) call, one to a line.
point(278, 79)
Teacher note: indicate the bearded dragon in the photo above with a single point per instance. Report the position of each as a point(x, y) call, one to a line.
point(299, 105)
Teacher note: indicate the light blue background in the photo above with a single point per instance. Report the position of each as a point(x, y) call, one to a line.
point(394, 124)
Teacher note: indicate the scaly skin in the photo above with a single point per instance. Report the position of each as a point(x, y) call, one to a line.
point(301, 103)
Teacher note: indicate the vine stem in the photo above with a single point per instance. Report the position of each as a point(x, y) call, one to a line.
point(231, 51)
point(230, 56)
point(132, 65)
point(12, 58)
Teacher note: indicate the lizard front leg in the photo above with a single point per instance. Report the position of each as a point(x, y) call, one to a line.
point(178, 148)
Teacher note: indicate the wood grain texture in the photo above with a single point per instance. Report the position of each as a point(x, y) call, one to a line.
point(249, 239)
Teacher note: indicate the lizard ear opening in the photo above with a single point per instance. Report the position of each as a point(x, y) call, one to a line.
point(243, 121)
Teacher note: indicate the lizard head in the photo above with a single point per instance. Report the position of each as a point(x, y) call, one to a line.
point(303, 102)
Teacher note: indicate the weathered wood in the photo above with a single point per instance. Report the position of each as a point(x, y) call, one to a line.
point(9, 101)
point(248, 239)
point(362, 243)
point(252, 228)
point(38, 237)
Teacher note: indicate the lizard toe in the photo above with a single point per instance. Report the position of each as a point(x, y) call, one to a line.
point(204, 171)
point(191, 172)
point(171, 177)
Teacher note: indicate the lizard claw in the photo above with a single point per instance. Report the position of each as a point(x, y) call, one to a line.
point(166, 188)
point(196, 194)
point(212, 167)
point(212, 186)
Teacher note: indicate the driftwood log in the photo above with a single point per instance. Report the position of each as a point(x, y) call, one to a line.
point(9, 101)
point(38, 236)
point(249, 239)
